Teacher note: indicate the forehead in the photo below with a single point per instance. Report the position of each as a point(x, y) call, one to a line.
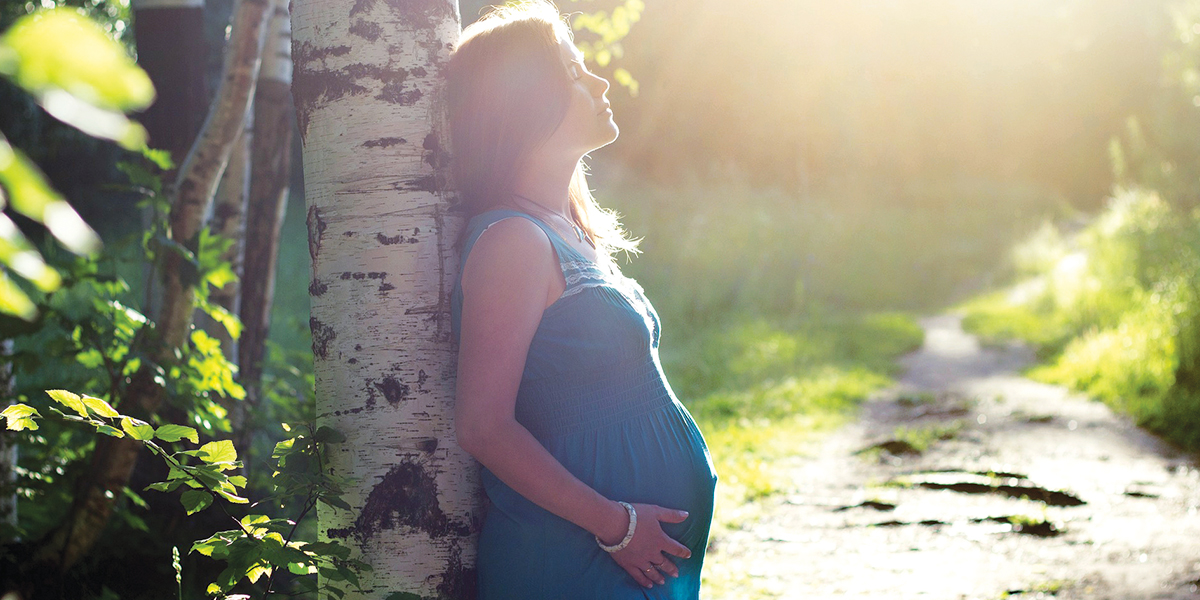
point(568, 51)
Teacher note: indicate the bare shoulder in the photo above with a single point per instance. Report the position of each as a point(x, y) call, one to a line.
point(513, 254)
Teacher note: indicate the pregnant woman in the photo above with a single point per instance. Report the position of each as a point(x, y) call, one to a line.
point(600, 485)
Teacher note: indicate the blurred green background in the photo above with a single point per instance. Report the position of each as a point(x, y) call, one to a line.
point(809, 176)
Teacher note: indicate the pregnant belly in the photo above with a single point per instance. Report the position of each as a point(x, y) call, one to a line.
point(658, 458)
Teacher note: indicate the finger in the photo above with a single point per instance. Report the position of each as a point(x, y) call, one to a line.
point(668, 567)
point(655, 575)
point(674, 547)
point(639, 577)
point(672, 516)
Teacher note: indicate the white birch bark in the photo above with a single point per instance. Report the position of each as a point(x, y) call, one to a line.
point(367, 74)
point(228, 220)
point(270, 159)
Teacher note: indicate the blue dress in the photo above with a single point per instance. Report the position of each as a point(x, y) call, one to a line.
point(593, 393)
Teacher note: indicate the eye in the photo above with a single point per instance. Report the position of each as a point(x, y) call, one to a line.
point(576, 70)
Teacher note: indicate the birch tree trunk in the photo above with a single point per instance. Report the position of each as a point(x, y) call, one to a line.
point(367, 79)
point(270, 172)
point(113, 459)
point(228, 220)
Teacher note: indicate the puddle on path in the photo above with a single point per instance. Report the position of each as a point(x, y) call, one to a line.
point(1011, 485)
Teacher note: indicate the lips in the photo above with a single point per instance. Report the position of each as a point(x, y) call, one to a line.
point(607, 108)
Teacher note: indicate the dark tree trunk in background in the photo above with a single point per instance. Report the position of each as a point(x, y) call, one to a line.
point(172, 50)
point(8, 442)
point(270, 160)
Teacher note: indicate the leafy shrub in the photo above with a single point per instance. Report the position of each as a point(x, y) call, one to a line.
point(1113, 309)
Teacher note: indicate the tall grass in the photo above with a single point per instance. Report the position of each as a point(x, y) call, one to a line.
point(1113, 310)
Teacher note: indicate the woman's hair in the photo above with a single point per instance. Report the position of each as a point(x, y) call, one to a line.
point(508, 91)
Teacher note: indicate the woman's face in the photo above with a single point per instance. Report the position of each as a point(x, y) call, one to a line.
point(588, 123)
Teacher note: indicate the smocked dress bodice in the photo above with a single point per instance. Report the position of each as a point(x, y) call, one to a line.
point(594, 394)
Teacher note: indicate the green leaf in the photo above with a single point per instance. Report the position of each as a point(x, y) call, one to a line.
point(221, 451)
point(328, 435)
point(19, 255)
point(165, 486)
point(217, 545)
point(135, 498)
point(196, 500)
point(20, 411)
point(78, 73)
point(174, 433)
point(335, 502)
point(20, 417)
point(221, 315)
point(69, 399)
point(232, 497)
point(237, 480)
point(403, 596)
point(137, 429)
point(13, 300)
point(33, 197)
point(99, 406)
point(110, 430)
point(258, 570)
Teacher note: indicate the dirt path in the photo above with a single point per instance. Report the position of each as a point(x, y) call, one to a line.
point(1031, 492)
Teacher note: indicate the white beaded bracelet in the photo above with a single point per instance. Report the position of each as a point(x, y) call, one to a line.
point(628, 534)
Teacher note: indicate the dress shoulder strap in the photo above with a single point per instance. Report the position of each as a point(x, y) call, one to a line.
point(481, 222)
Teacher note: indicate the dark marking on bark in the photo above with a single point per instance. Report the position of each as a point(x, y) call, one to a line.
point(316, 288)
point(386, 287)
point(366, 30)
point(346, 275)
point(438, 158)
point(361, 6)
point(222, 212)
point(458, 581)
point(352, 411)
point(316, 228)
point(394, 391)
point(428, 445)
point(358, 347)
point(313, 83)
point(370, 390)
point(425, 183)
point(419, 71)
point(422, 14)
point(422, 377)
point(353, 361)
point(396, 94)
point(433, 150)
point(322, 335)
point(376, 275)
point(349, 233)
point(360, 275)
point(386, 142)
point(416, 230)
point(388, 241)
point(405, 497)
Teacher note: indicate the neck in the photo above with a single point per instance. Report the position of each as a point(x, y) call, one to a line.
point(547, 184)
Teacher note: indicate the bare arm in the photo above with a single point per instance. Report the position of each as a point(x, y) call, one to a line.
point(511, 275)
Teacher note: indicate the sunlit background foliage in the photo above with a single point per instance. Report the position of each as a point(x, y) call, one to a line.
point(807, 176)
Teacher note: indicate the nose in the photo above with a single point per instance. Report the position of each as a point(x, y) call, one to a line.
point(598, 84)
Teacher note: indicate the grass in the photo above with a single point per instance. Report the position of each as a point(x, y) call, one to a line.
point(921, 438)
point(1113, 310)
